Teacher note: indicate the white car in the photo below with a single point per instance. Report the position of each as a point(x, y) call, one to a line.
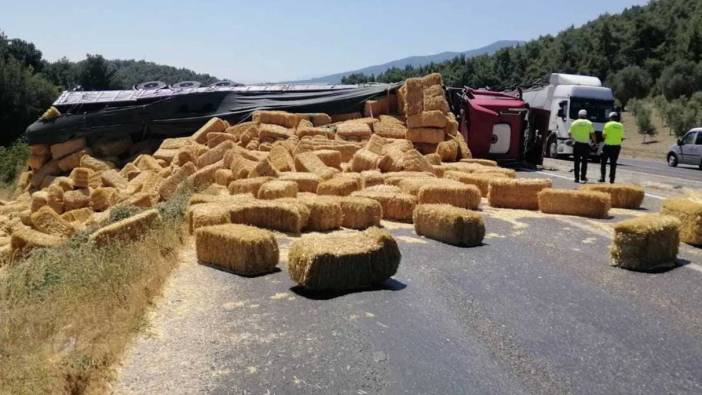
point(688, 150)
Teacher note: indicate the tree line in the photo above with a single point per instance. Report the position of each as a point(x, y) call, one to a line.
point(29, 83)
point(652, 51)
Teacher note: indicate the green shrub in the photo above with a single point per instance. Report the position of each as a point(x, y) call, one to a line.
point(642, 114)
point(13, 159)
point(682, 114)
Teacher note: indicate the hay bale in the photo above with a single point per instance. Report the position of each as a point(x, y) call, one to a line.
point(427, 119)
point(247, 185)
point(434, 159)
point(112, 146)
point(97, 165)
point(24, 239)
point(569, 202)
point(394, 130)
point(339, 186)
point(343, 260)
point(80, 215)
point(628, 196)
point(646, 243)
point(517, 194)
point(175, 143)
point(215, 139)
point(129, 171)
point(205, 176)
point(264, 168)
point(396, 206)
point(453, 193)
point(103, 198)
point(482, 181)
point(394, 178)
point(241, 249)
point(413, 96)
point(147, 162)
point(214, 155)
point(216, 212)
point(76, 199)
point(306, 182)
point(277, 189)
point(111, 178)
point(412, 160)
point(275, 215)
point(47, 221)
point(141, 200)
point(425, 135)
point(359, 212)
point(463, 150)
point(65, 183)
point(129, 229)
point(484, 162)
point(689, 212)
point(170, 185)
point(364, 160)
point(353, 130)
point(391, 161)
point(35, 162)
point(325, 213)
point(432, 79)
point(449, 224)
point(214, 125)
point(223, 177)
point(281, 118)
point(280, 158)
point(270, 132)
point(50, 168)
point(330, 157)
point(61, 150)
point(39, 200)
point(314, 131)
point(452, 126)
point(447, 151)
point(241, 167)
point(309, 162)
point(345, 116)
point(370, 178)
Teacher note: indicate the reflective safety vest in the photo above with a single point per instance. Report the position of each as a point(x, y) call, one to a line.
point(581, 130)
point(613, 133)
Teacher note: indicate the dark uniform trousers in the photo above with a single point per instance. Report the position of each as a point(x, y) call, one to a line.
point(581, 153)
point(611, 153)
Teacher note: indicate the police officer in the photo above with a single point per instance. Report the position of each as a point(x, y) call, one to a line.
point(613, 135)
point(581, 132)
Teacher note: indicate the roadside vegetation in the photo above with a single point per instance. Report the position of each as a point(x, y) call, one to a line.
point(12, 161)
point(68, 312)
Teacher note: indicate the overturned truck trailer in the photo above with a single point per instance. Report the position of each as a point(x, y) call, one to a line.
point(173, 112)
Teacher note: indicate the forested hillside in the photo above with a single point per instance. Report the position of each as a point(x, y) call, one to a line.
point(646, 51)
point(29, 83)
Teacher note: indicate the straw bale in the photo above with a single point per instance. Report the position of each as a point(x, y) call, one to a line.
point(165, 156)
point(394, 178)
point(174, 143)
point(319, 119)
point(55, 198)
point(50, 168)
point(345, 116)
point(425, 135)
point(129, 171)
point(95, 164)
point(371, 177)
point(76, 199)
point(452, 125)
point(511, 193)
point(248, 185)
point(431, 80)
point(581, 203)
point(103, 198)
point(447, 150)
point(329, 157)
point(509, 173)
point(309, 162)
point(129, 229)
point(484, 162)
point(79, 215)
point(646, 243)
point(463, 150)
point(141, 199)
point(47, 221)
point(454, 193)
point(325, 213)
point(436, 103)
point(449, 224)
point(360, 212)
point(170, 185)
point(382, 188)
point(306, 182)
point(215, 139)
point(338, 186)
point(239, 128)
point(391, 161)
point(375, 144)
point(39, 149)
point(364, 160)
point(214, 155)
point(216, 212)
point(427, 119)
point(412, 160)
point(280, 158)
point(390, 130)
point(277, 189)
point(253, 144)
point(689, 212)
point(35, 162)
point(412, 185)
point(314, 131)
point(214, 125)
point(248, 135)
point(413, 96)
point(482, 181)
point(25, 238)
point(111, 178)
point(396, 206)
point(147, 162)
point(434, 159)
point(280, 216)
point(426, 148)
point(304, 123)
point(623, 195)
point(241, 167)
point(264, 168)
point(223, 177)
point(205, 176)
point(242, 249)
point(270, 132)
point(65, 183)
point(346, 148)
point(402, 100)
point(353, 129)
point(376, 107)
point(280, 118)
point(343, 260)
point(39, 200)
point(60, 150)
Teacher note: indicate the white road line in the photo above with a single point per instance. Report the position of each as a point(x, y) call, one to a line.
point(694, 266)
point(569, 178)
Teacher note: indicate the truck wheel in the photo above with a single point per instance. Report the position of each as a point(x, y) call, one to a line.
point(551, 149)
point(673, 160)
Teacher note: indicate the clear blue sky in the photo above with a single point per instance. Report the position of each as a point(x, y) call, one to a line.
point(252, 41)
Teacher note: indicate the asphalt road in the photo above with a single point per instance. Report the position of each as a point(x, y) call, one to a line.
point(536, 309)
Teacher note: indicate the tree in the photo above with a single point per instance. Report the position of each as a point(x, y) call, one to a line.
point(631, 82)
point(680, 79)
point(357, 78)
point(95, 73)
point(642, 114)
point(682, 114)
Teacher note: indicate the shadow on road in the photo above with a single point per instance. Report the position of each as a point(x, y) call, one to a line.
point(221, 269)
point(387, 285)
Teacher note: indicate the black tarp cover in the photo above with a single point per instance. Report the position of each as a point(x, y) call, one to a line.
point(181, 115)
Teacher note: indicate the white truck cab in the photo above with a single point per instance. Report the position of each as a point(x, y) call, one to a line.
point(557, 104)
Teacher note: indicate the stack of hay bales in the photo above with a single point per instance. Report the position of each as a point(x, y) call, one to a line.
point(689, 212)
point(646, 243)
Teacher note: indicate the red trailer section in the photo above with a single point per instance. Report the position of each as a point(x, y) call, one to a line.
point(493, 124)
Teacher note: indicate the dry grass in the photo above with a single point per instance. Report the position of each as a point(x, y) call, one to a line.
point(449, 224)
point(646, 243)
point(689, 212)
point(569, 202)
point(343, 260)
point(69, 311)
